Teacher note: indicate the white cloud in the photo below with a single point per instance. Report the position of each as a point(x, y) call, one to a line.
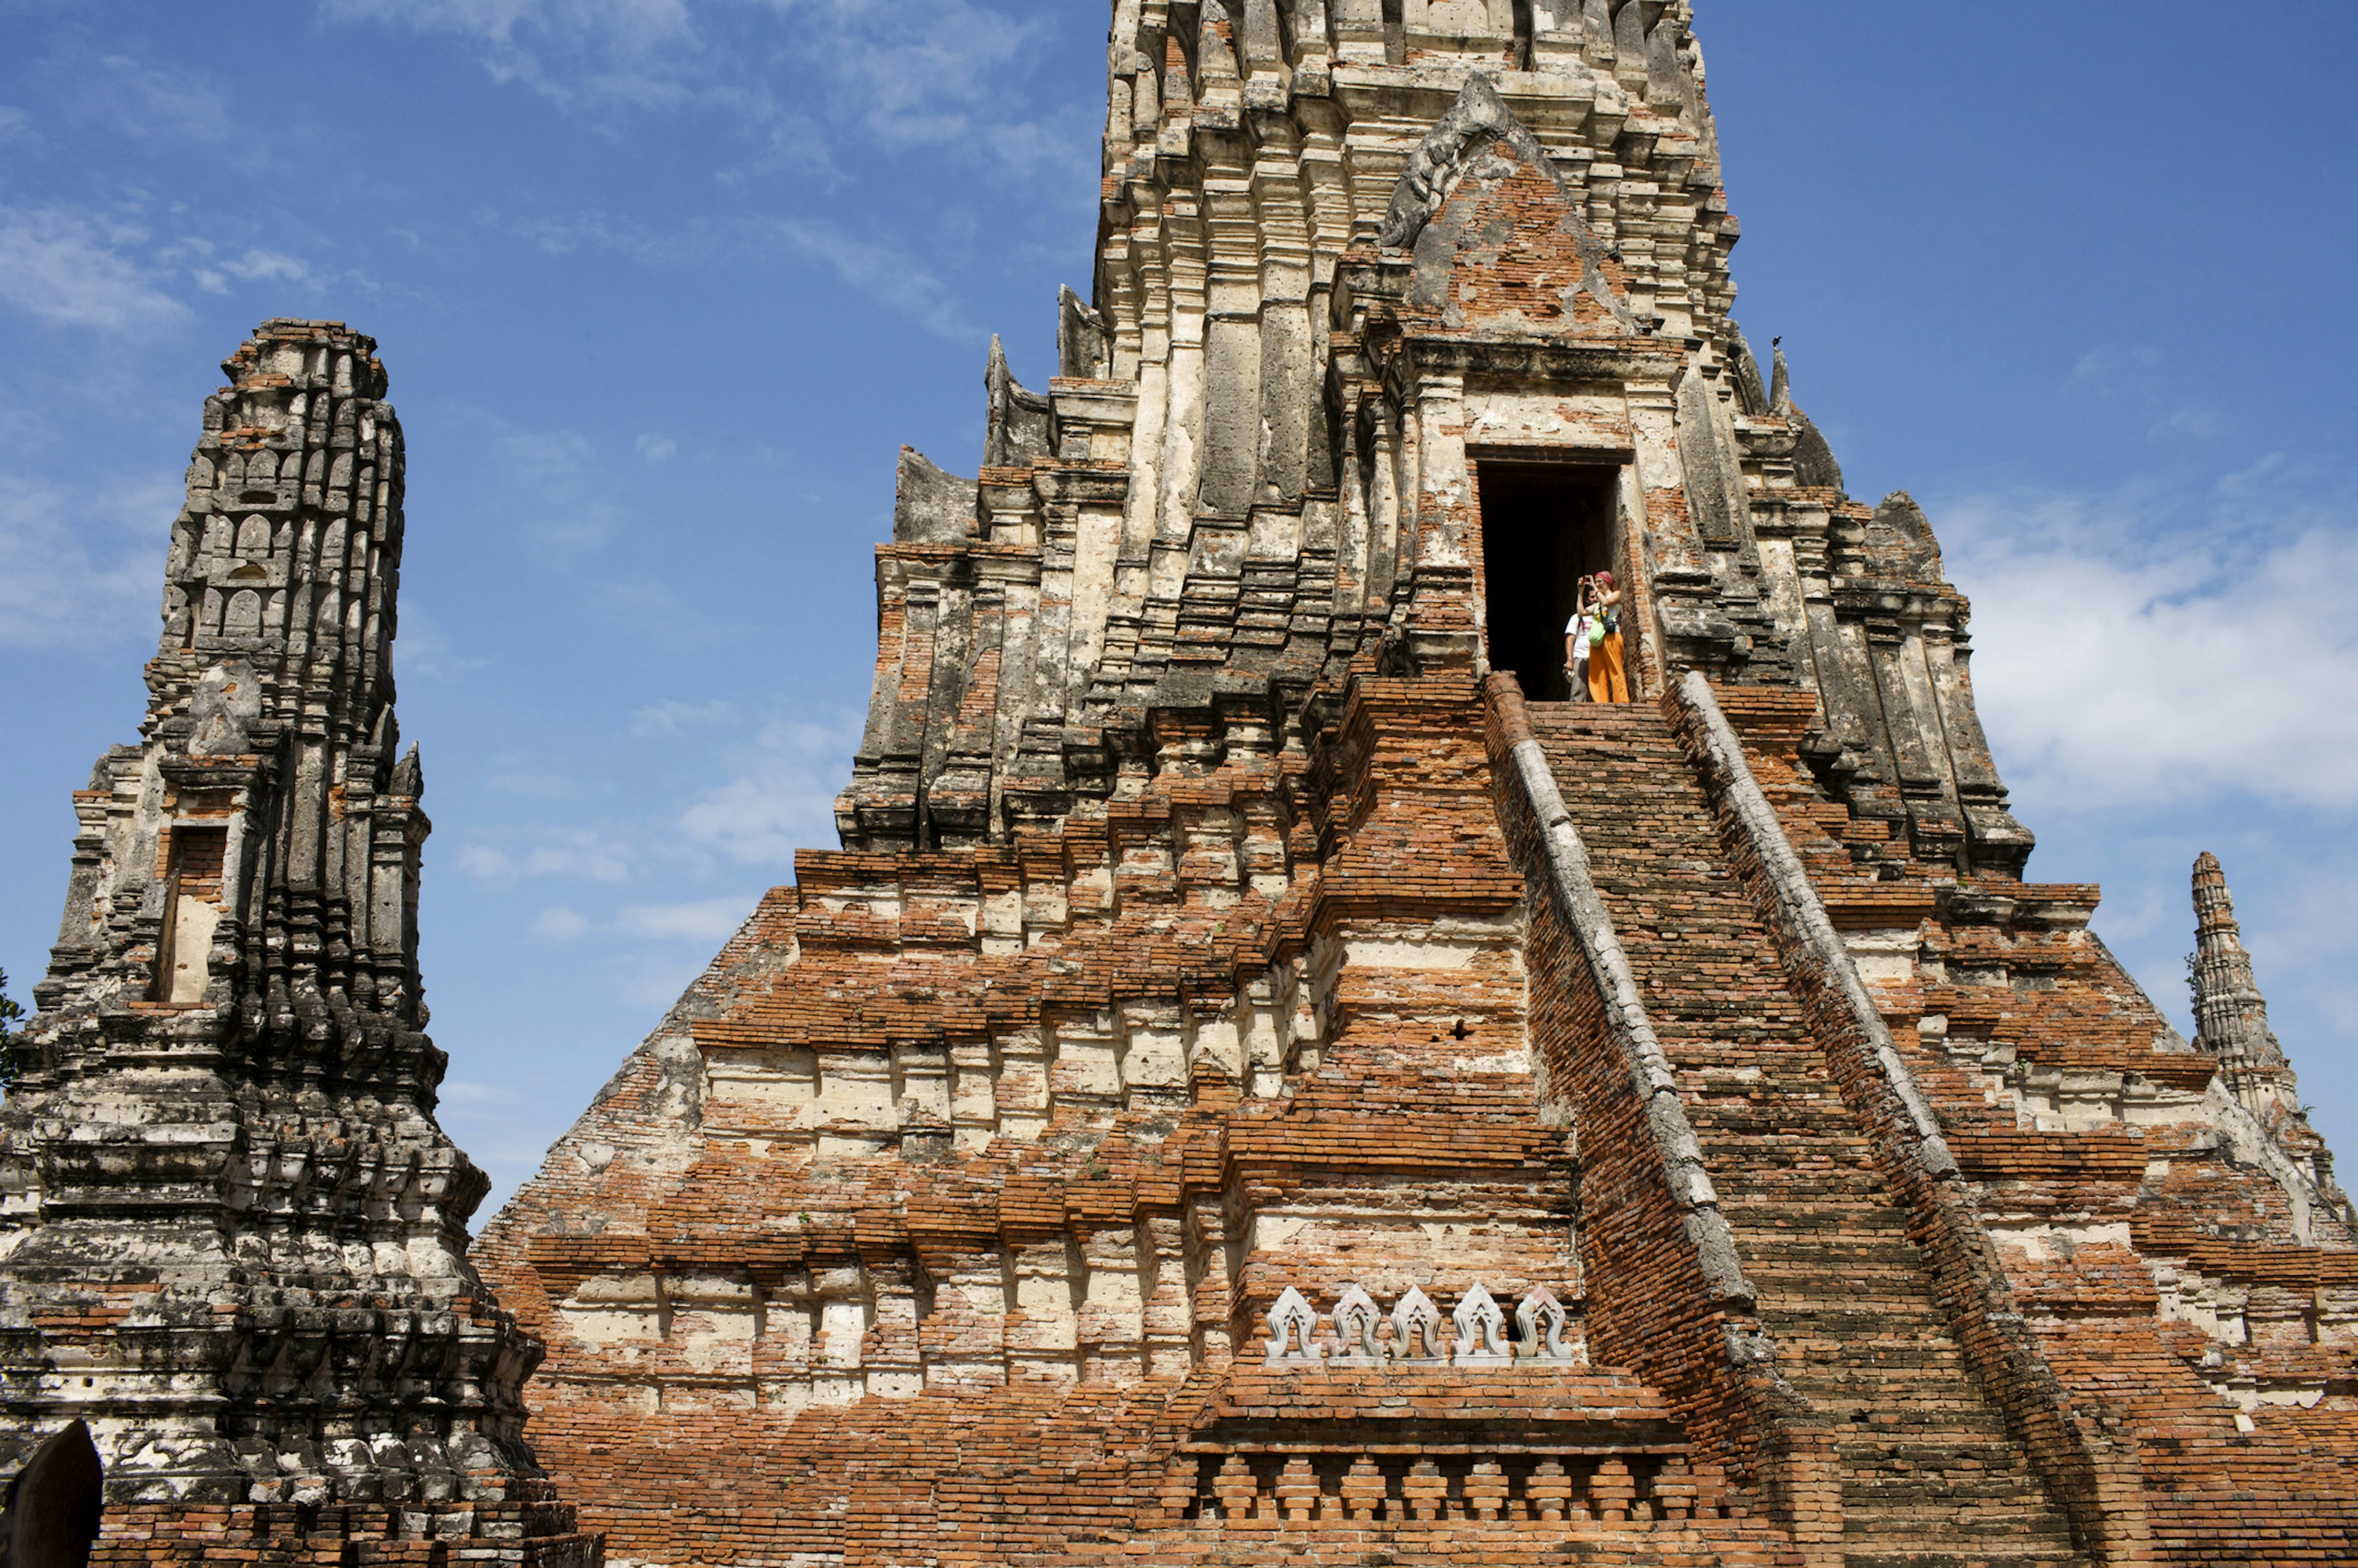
point(912, 74)
point(254, 266)
point(82, 564)
point(549, 851)
point(152, 102)
point(261, 265)
point(918, 72)
point(562, 47)
point(552, 478)
point(537, 786)
point(423, 650)
point(656, 980)
point(782, 797)
point(656, 449)
point(559, 923)
point(67, 268)
point(705, 921)
point(880, 270)
point(2135, 651)
point(670, 717)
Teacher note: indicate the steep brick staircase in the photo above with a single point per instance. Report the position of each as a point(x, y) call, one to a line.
point(1930, 1477)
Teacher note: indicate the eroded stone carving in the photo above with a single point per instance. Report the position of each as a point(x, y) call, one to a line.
point(1357, 1321)
point(1294, 1329)
point(1481, 1328)
point(1416, 1328)
point(1540, 1321)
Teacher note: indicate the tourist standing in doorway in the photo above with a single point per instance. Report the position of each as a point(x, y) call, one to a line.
point(1607, 682)
point(1576, 649)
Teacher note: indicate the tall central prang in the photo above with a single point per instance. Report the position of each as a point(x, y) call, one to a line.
point(1284, 1067)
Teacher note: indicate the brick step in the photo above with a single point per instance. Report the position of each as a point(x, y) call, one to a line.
point(1809, 1341)
point(1870, 1274)
point(1820, 1267)
point(1990, 1474)
point(1872, 1222)
point(1880, 1249)
point(1906, 1552)
point(1932, 1408)
point(1994, 1535)
point(1889, 1358)
point(1974, 1437)
point(1865, 1305)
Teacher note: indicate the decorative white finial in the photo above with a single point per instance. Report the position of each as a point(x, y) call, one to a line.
point(1543, 1320)
point(1416, 1328)
point(1356, 1319)
point(1294, 1329)
point(1481, 1328)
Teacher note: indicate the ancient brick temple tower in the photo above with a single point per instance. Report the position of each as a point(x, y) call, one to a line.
point(1265, 1078)
point(232, 1235)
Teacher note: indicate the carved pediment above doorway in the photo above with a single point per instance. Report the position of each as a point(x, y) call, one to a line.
point(1498, 242)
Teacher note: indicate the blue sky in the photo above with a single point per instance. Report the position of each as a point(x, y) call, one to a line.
point(663, 284)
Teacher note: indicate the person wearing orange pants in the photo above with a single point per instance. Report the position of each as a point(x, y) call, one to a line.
point(1608, 681)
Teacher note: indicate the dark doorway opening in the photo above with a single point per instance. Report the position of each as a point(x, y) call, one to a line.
point(1545, 527)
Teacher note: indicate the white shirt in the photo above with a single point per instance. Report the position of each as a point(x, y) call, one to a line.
point(1577, 630)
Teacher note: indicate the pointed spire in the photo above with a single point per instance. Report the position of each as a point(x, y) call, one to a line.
point(1780, 389)
point(1019, 424)
point(2230, 1014)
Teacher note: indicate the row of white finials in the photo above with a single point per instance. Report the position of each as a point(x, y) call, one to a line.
point(1474, 1335)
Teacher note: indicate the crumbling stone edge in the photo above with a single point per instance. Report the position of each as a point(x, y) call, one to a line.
point(2094, 1476)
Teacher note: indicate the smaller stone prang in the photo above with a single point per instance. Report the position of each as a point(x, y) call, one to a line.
point(2230, 1014)
point(233, 1237)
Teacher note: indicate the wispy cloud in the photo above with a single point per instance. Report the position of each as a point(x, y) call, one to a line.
point(151, 102)
point(2143, 649)
point(671, 718)
point(545, 851)
point(565, 49)
point(707, 922)
point(70, 268)
point(255, 266)
point(782, 798)
point(559, 924)
point(917, 75)
point(553, 487)
point(424, 650)
point(879, 269)
point(883, 270)
point(80, 566)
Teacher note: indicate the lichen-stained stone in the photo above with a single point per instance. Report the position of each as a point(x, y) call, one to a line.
point(232, 1239)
